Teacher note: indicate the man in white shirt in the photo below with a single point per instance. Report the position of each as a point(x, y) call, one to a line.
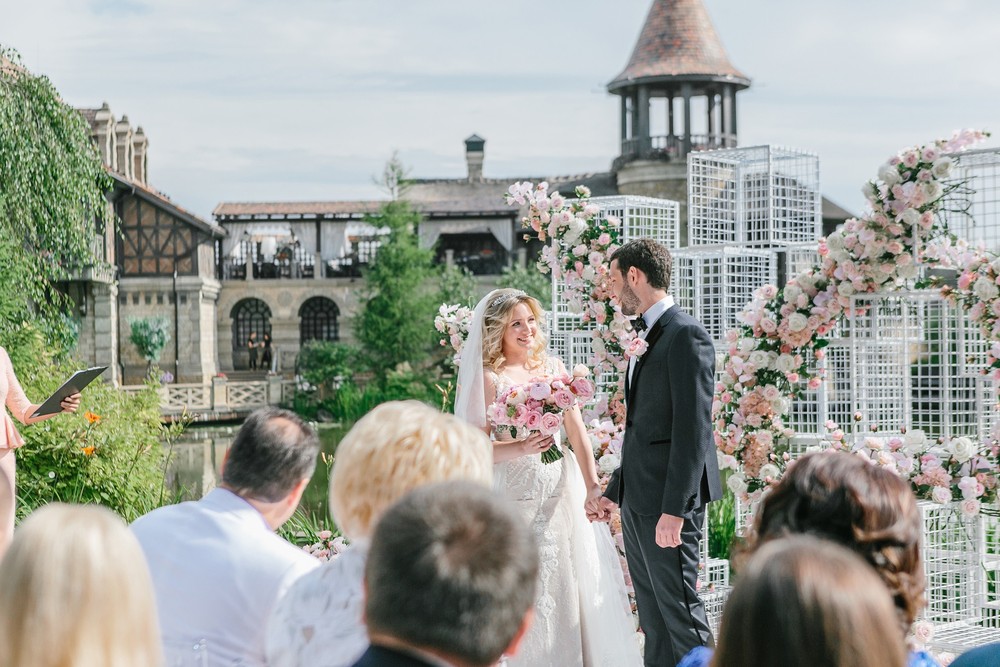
point(218, 567)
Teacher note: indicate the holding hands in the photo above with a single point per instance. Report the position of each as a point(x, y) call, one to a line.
point(600, 508)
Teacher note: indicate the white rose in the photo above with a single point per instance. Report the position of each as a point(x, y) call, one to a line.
point(985, 289)
point(908, 271)
point(889, 174)
point(910, 216)
point(835, 241)
point(769, 470)
point(737, 484)
point(609, 463)
point(914, 441)
point(962, 449)
point(845, 289)
point(932, 189)
point(941, 495)
point(580, 371)
point(785, 363)
point(869, 191)
point(745, 346)
point(728, 461)
point(758, 358)
point(792, 293)
point(942, 167)
point(995, 265)
point(797, 322)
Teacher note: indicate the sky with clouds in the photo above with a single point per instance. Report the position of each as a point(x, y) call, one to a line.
point(249, 100)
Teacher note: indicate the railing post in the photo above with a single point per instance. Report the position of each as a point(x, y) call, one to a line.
point(274, 390)
point(219, 399)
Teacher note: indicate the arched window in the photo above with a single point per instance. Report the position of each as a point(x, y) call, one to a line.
point(249, 316)
point(318, 320)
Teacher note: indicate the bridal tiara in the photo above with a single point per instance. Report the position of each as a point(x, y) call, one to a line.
point(504, 298)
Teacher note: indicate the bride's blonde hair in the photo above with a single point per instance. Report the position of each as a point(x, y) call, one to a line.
point(497, 316)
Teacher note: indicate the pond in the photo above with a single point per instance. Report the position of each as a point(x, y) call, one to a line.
point(196, 461)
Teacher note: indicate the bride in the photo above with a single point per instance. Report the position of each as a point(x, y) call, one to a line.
point(581, 612)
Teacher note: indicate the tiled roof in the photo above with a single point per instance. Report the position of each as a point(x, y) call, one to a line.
point(162, 201)
point(678, 39)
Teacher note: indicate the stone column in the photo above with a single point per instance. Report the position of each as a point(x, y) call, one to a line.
point(643, 116)
point(624, 122)
point(728, 125)
point(686, 92)
point(733, 121)
point(713, 128)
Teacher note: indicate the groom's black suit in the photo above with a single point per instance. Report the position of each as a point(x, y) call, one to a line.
point(668, 466)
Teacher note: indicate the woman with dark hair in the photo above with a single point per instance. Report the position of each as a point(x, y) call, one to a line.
point(265, 359)
point(834, 611)
point(845, 499)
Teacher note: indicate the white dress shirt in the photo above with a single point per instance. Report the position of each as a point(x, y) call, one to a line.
point(218, 571)
point(650, 316)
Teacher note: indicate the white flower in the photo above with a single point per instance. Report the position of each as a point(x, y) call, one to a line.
point(835, 241)
point(942, 167)
point(985, 289)
point(785, 363)
point(609, 463)
point(737, 484)
point(797, 322)
point(941, 495)
point(889, 174)
point(908, 271)
point(769, 470)
point(758, 358)
point(962, 449)
point(995, 265)
point(728, 461)
point(969, 507)
point(910, 216)
point(580, 371)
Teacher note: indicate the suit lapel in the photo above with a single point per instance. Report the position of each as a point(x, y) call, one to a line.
point(654, 334)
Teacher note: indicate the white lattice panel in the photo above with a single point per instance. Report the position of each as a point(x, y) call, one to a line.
point(185, 397)
point(716, 284)
point(979, 198)
point(795, 259)
point(715, 603)
point(908, 367)
point(644, 217)
point(763, 196)
point(246, 394)
point(953, 555)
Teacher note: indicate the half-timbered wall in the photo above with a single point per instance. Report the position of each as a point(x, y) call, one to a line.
point(155, 243)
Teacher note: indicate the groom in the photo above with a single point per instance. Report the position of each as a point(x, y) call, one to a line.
point(669, 470)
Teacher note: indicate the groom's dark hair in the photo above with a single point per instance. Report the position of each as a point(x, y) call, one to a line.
point(453, 569)
point(650, 257)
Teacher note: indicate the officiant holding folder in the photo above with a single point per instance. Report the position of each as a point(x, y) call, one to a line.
point(18, 404)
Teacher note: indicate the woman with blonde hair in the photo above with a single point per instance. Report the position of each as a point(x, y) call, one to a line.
point(395, 448)
point(805, 601)
point(582, 613)
point(75, 592)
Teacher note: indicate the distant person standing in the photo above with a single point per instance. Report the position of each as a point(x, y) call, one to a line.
point(252, 346)
point(266, 358)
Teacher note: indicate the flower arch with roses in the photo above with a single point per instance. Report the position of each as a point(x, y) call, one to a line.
point(784, 330)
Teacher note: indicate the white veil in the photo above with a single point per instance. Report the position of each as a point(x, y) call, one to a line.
point(470, 402)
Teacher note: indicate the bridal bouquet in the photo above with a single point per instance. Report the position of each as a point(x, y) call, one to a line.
point(538, 407)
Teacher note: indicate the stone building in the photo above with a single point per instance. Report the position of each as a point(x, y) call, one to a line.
point(164, 260)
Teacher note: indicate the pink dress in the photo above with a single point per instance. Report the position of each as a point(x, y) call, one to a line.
point(13, 397)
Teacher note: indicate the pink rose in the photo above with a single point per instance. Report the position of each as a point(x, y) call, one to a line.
point(563, 399)
point(550, 423)
point(534, 420)
point(520, 417)
point(635, 347)
point(539, 390)
point(583, 388)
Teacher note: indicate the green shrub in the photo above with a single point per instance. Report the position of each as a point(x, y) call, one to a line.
point(109, 452)
point(530, 280)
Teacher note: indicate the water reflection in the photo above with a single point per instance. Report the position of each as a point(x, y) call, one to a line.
point(196, 463)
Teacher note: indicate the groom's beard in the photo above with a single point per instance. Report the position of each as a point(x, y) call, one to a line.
point(629, 301)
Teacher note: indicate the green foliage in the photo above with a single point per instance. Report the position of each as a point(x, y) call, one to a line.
point(395, 324)
point(457, 285)
point(722, 523)
point(530, 280)
point(149, 335)
point(51, 199)
point(110, 452)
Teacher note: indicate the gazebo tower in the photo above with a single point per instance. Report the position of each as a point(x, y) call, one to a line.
point(678, 94)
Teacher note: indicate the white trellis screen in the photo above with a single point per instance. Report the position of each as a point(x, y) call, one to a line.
point(908, 365)
point(715, 284)
point(979, 198)
point(640, 217)
point(762, 196)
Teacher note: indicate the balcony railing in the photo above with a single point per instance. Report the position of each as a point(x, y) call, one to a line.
point(669, 147)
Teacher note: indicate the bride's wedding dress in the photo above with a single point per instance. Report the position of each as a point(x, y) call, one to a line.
point(581, 613)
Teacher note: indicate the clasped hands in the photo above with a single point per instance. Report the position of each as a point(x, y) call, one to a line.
point(668, 527)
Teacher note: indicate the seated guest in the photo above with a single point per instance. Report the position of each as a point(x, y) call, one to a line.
point(804, 601)
point(844, 498)
point(395, 448)
point(75, 592)
point(450, 580)
point(984, 656)
point(217, 565)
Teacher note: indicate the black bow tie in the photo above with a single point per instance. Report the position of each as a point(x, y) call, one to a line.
point(639, 324)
